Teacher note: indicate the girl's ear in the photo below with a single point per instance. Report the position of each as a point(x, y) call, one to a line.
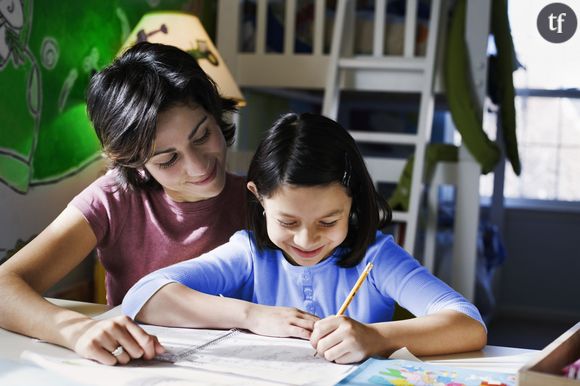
point(254, 189)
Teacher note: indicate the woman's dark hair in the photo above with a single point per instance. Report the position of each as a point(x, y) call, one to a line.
point(312, 150)
point(125, 98)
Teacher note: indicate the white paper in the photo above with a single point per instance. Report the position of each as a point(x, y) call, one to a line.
point(404, 353)
point(236, 358)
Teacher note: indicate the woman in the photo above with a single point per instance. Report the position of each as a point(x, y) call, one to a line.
point(167, 197)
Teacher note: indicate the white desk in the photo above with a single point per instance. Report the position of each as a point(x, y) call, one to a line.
point(494, 358)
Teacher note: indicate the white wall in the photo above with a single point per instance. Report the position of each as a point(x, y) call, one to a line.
point(27, 214)
point(23, 216)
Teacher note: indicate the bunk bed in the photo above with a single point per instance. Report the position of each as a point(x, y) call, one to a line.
point(300, 60)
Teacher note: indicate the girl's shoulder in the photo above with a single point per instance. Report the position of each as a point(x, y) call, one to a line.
point(385, 248)
point(244, 239)
point(384, 240)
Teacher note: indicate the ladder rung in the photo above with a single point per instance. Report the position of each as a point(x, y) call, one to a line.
point(383, 63)
point(372, 137)
point(399, 216)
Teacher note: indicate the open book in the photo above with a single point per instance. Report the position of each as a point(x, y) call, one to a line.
point(405, 372)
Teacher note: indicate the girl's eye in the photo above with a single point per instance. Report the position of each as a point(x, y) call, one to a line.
point(168, 164)
point(328, 224)
point(201, 140)
point(287, 224)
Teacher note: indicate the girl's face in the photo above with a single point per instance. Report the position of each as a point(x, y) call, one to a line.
point(190, 154)
point(306, 223)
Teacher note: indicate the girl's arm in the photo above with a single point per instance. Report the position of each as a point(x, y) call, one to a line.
point(176, 305)
point(446, 322)
point(345, 340)
point(38, 266)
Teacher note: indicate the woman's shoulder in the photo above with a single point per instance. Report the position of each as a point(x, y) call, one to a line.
point(105, 186)
point(105, 191)
point(235, 185)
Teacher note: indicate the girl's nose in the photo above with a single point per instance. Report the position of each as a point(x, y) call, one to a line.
point(305, 238)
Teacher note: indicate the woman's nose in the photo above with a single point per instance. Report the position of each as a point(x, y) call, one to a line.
point(196, 163)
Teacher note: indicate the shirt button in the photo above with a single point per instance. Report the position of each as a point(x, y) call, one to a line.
point(308, 293)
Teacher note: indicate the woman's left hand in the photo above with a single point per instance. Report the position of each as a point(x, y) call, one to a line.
point(343, 340)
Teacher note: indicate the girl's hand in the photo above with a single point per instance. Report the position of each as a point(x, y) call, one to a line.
point(343, 340)
point(281, 321)
point(99, 338)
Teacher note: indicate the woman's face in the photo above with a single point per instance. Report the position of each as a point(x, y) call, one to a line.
point(190, 154)
point(306, 223)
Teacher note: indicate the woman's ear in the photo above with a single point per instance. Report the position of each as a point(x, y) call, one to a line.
point(254, 189)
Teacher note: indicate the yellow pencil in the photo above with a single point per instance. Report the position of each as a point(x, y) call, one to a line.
point(354, 289)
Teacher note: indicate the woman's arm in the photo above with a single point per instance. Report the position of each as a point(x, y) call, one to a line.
point(345, 340)
point(39, 265)
point(176, 305)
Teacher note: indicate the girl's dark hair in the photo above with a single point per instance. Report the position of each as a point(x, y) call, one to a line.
point(125, 98)
point(312, 150)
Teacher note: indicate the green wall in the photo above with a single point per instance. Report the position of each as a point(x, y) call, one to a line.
point(48, 51)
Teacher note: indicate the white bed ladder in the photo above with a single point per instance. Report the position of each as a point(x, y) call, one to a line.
point(378, 62)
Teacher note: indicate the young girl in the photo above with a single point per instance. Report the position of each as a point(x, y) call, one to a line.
point(313, 219)
point(167, 198)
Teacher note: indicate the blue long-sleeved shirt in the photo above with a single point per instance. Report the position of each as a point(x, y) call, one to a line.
point(238, 269)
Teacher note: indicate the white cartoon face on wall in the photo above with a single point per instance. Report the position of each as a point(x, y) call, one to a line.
point(11, 22)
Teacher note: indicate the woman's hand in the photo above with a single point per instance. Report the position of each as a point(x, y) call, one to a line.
point(280, 321)
point(343, 340)
point(99, 338)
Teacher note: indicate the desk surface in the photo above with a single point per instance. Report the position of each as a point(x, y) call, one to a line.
point(493, 358)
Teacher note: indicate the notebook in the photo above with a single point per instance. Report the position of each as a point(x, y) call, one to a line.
point(281, 360)
point(203, 357)
point(404, 372)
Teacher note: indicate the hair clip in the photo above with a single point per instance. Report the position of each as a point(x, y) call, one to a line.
point(347, 171)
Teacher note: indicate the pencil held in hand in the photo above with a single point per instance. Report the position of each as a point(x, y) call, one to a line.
point(354, 289)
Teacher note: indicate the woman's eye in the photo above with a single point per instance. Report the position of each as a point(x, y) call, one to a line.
point(167, 164)
point(328, 223)
point(201, 139)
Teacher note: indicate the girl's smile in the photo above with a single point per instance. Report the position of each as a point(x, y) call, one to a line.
point(307, 254)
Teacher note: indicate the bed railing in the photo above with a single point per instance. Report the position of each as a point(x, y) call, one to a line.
point(245, 29)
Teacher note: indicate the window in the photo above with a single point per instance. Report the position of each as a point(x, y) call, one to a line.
point(548, 112)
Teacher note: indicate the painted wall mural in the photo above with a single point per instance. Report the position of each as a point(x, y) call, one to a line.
point(48, 51)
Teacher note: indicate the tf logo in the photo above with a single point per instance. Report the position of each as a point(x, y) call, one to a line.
point(557, 22)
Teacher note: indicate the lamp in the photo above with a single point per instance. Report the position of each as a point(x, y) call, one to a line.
point(185, 31)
